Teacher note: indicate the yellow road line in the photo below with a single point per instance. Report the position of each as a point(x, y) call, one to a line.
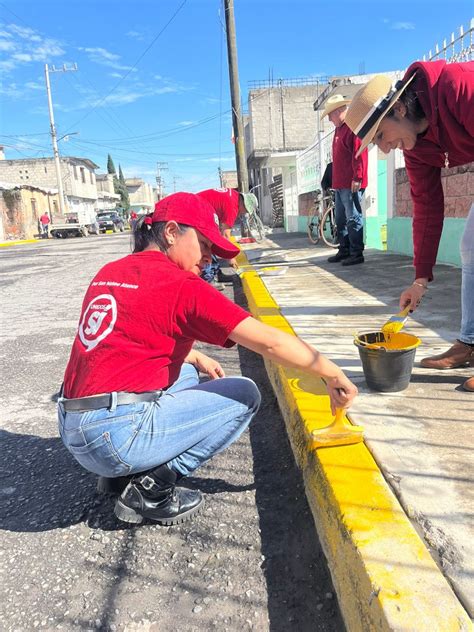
point(383, 573)
point(5, 244)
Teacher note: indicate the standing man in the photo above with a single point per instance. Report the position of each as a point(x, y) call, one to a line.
point(349, 179)
point(44, 221)
point(229, 205)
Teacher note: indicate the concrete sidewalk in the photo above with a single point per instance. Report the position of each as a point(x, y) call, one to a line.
point(419, 437)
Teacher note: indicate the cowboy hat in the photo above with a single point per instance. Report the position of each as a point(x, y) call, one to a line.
point(334, 102)
point(370, 104)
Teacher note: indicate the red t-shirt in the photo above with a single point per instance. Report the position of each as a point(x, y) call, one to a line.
point(225, 203)
point(140, 317)
point(345, 166)
point(44, 219)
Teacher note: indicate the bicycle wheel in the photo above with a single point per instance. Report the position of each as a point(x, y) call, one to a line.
point(329, 228)
point(256, 227)
point(314, 229)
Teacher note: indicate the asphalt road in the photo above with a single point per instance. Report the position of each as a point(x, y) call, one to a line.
point(250, 561)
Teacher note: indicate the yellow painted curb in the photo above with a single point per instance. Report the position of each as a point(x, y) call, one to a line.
point(383, 573)
point(4, 244)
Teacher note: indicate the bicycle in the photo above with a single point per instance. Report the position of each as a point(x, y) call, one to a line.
point(255, 226)
point(322, 225)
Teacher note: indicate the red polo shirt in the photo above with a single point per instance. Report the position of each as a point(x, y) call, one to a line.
point(345, 166)
point(139, 320)
point(225, 203)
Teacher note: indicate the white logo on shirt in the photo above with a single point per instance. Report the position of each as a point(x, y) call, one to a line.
point(98, 320)
point(216, 219)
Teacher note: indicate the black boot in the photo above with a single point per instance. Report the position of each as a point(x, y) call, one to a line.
point(353, 260)
point(154, 495)
point(112, 485)
point(339, 256)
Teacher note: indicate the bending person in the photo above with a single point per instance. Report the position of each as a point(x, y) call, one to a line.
point(229, 206)
point(132, 403)
point(429, 116)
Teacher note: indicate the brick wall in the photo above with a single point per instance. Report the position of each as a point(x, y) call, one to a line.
point(306, 204)
point(458, 186)
point(287, 113)
point(20, 210)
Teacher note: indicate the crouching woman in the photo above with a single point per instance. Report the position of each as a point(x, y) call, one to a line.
point(132, 404)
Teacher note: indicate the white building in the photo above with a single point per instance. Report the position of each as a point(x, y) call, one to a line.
point(141, 195)
point(281, 122)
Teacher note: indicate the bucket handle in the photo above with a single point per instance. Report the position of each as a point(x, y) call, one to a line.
point(367, 345)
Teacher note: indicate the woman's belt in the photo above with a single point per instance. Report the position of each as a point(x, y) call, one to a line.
point(106, 400)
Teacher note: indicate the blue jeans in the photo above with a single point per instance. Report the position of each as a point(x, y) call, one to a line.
point(467, 281)
point(209, 272)
point(184, 428)
point(349, 222)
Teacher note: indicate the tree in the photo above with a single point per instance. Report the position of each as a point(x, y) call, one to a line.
point(119, 183)
point(110, 165)
point(121, 177)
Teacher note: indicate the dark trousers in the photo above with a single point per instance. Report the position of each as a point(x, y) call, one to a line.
point(350, 222)
point(210, 271)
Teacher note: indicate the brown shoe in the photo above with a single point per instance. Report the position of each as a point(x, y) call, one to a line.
point(469, 385)
point(460, 354)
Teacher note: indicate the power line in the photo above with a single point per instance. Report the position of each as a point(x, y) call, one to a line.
point(149, 153)
point(134, 65)
point(164, 133)
point(23, 135)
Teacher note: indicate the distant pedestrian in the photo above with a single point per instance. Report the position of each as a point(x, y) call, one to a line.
point(349, 180)
point(429, 115)
point(133, 220)
point(229, 205)
point(44, 222)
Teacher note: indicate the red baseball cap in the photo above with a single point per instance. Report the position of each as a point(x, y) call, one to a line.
point(192, 210)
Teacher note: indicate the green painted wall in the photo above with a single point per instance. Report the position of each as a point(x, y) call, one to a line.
point(399, 238)
point(302, 224)
point(374, 229)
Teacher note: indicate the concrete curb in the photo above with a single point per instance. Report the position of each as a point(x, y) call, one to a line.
point(5, 244)
point(383, 573)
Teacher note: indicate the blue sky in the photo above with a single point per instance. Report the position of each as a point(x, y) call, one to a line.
point(152, 79)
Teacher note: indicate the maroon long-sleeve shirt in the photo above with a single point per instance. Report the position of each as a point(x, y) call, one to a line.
point(446, 95)
point(345, 166)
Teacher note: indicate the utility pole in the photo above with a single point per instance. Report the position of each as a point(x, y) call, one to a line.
point(242, 174)
point(62, 199)
point(160, 184)
point(175, 179)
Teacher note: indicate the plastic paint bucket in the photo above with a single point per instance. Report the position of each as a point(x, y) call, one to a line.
point(387, 359)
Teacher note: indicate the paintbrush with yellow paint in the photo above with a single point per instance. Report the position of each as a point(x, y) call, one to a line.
point(340, 432)
point(395, 323)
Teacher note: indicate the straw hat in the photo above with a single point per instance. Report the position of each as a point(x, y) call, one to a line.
point(334, 102)
point(370, 104)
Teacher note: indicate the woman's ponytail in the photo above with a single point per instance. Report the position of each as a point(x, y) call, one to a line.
point(148, 233)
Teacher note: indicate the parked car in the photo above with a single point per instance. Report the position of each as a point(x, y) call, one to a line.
point(110, 221)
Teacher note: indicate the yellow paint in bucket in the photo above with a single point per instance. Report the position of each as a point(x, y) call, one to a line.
point(387, 341)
